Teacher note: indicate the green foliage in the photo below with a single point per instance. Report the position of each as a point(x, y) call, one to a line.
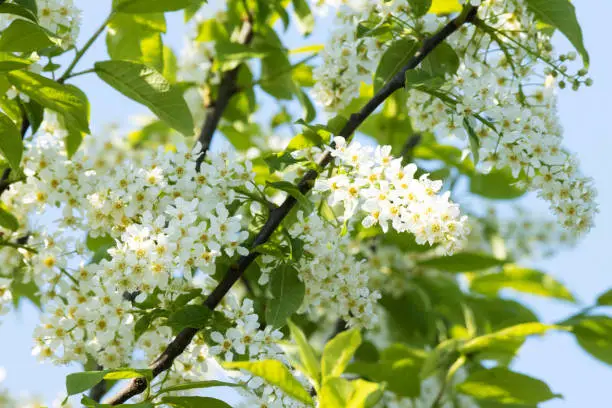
point(195, 402)
point(25, 36)
point(275, 373)
point(287, 292)
point(507, 387)
point(338, 352)
point(562, 15)
point(197, 385)
point(150, 6)
point(395, 57)
point(10, 62)
point(594, 335)
point(11, 144)
point(399, 368)
point(189, 316)
point(8, 220)
point(83, 381)
point(308, 361)
point(463, 262)
point(523, 280)
point(66, 100)
point(147, 86)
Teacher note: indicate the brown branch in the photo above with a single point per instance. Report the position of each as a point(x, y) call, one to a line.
point(277, 215)
point(227, 88)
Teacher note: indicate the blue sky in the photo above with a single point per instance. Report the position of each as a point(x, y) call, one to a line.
point(555, 358)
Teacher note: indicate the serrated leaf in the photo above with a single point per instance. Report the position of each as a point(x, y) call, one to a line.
point(64, 99)
point(274, 373)
point(562, 15)
point(505, 386)
point(288, 293)
point(338, 353)
point(11, 144)
point(148, 87)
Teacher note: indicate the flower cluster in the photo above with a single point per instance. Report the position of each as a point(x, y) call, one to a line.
point(372, 180)
point(511, 111)
point(60, 17)
point(336, 282)
point(161, 221)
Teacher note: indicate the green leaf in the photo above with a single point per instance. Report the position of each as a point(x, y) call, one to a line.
point(605, 299)
point(508, 338)
point(288, 293)
point(340, 393)
point(523, 280)
point(505, 386)
point(462, 262)
point(25, 36)
point(498, 184)
point(399, 367)
point(192, 316)
point(150, 6)
point(10, 62)
point(562, 15)
point(195, 402)
point(420, 7)
point(441, 61)
point(8, 220)
point(148, 87)
point(19, 10)
point(393, 60)
point(11, 144)
point(306, 352)
point(88, 402)
point(294, 192)
point(274, 373)
point(594, 334)
point(64, 99)
point(440, 358)
point(29, 5)
point(338, 352)
point(80, 382)
point(276, 76)
point(130, 37)
point(304, 18)
point(198, 385)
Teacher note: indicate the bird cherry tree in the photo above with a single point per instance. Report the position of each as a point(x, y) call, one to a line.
point(351, 247)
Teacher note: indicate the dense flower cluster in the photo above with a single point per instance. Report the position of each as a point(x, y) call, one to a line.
point(501, 100)
point(336, 282)
point(373, 181)
point(60, 17)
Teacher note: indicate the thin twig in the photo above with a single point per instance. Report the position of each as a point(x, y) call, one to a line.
point(227, 88)
point(277, 215)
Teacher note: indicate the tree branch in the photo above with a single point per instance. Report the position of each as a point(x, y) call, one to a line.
point(227, 89)
point(277, 215)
